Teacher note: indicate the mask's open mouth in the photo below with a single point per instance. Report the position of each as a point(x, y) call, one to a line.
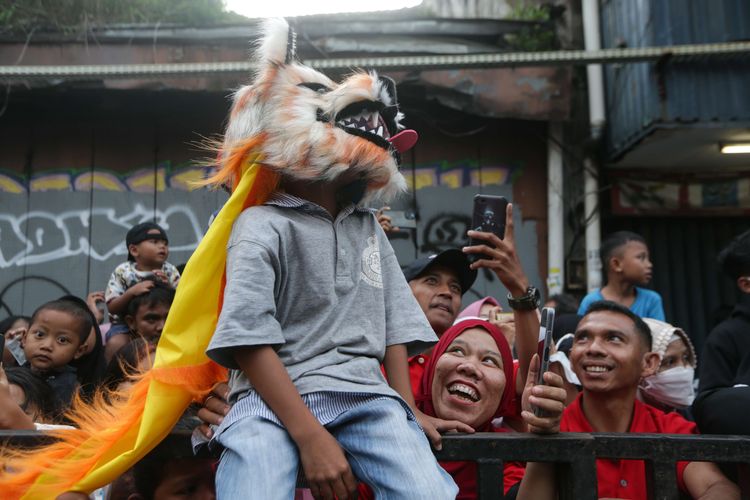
point(375, 122)
point(369, 120)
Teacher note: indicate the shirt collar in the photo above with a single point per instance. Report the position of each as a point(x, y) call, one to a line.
point(286, 200)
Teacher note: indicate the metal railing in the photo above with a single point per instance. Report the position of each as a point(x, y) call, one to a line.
point(575, 454)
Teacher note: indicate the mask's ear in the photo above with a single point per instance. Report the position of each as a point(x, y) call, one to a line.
point(291, 46)
point(277, 43)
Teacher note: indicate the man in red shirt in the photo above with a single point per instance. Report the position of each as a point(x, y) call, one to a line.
point(610, 354)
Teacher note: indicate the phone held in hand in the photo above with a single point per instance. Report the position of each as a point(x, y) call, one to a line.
point(15, 349)
point(543, 347)
point(488, 216)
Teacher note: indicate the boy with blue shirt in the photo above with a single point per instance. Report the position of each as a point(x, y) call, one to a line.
point(627, 268)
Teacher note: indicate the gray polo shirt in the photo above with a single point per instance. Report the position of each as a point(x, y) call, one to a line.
point(327, 294)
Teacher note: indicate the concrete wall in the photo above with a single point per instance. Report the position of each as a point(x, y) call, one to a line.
point(77, 169)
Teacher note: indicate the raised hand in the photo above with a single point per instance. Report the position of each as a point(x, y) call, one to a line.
point(500, 256)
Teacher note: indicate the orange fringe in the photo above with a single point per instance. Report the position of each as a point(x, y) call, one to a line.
point(100, 424)
point(232, 162)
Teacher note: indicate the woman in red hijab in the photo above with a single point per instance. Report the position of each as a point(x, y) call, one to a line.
point(470, 378)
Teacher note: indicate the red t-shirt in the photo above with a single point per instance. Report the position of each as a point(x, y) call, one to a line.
point(416, 370)
point(627, 478)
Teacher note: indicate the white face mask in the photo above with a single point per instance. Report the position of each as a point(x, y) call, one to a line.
point(673, 387)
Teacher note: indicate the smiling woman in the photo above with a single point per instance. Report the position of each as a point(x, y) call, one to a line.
point(470, 378)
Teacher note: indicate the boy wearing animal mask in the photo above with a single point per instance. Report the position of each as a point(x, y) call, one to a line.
point(315, 299)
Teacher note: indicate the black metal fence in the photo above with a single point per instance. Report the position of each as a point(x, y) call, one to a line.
point(575, 454)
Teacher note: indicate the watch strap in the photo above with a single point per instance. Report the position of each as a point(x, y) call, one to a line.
point(526, 302)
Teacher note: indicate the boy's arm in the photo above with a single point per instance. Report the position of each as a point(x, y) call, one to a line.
point(119, 304)
point(396, 364)
point(705, 481)
point(325, 465)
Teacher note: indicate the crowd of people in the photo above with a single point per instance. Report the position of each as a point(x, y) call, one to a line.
point(617, 366)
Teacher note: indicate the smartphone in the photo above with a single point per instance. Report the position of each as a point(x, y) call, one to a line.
point(543, 347)
point(14, 347)
point(2, 349)
point(403, 219)
point(488, 216)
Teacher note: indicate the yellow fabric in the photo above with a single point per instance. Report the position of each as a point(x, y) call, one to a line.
point(187, 332)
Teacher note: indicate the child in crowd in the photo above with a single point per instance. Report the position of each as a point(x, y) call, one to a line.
point(137, 356)
point(148, 249)
point(168, 473)
point(56, 337)
point(145, 316)
point(723, 401)
point(671, 387)
point(627, 267)
point(90, 365)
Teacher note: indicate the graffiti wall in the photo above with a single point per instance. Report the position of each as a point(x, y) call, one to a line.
point(63, 231)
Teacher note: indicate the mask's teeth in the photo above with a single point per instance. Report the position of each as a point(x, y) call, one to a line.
point(380, 131)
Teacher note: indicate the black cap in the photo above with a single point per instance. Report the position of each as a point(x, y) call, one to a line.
point(142, 232)
point(452, 259)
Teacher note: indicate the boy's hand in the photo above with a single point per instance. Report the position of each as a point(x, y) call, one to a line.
point(92, 300)
point(326, 469)
point(434, 426)
point(549, 397)
point(385, 221)
point(502, 259)
point(16, 332)
point(160, 275)
point(141, 288)
point(214, 409)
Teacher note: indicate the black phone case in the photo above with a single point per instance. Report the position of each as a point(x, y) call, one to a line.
point(488, 216)
point(546, 325)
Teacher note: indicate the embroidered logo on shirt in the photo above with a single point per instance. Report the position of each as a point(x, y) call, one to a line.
point(371, 273)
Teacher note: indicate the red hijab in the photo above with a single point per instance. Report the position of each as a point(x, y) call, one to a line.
point(507, 401)
point(465, 473)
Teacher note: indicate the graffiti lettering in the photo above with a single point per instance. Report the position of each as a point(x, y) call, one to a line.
point(38, 237)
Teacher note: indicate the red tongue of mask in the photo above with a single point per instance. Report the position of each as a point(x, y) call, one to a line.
point(404, 140)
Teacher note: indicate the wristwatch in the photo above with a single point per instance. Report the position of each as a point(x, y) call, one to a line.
point(526, 302)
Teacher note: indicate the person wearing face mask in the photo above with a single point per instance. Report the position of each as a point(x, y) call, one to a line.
point(671, 387)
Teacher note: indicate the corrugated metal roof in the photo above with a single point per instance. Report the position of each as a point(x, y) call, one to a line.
point(712, 91)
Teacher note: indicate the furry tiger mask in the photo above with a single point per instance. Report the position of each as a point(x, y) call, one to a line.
point(308, 127)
